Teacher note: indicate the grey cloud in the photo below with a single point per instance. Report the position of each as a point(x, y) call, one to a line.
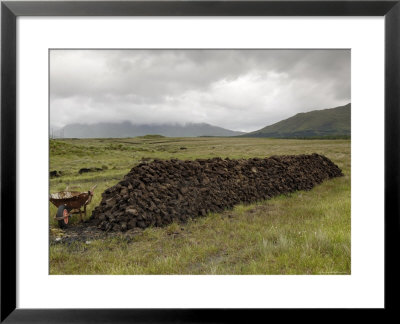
point(236, 89)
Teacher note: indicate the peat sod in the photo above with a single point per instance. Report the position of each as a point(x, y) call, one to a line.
point(163, 191)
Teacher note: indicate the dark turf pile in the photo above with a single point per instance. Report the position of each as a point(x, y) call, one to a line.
point(160, 192)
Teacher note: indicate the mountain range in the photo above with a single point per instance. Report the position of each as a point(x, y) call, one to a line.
point(127, 129)
point(316, 123)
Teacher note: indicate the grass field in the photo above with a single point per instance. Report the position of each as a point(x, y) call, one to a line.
point(301, 233)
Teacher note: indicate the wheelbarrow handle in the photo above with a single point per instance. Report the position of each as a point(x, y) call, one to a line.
point(92, 189)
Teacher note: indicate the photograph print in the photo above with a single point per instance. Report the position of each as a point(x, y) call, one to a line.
point(200, 161)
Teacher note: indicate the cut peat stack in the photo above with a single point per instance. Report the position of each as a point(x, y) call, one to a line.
point(163, 191)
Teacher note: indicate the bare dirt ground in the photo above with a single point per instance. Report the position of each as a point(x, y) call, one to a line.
point(87, 232)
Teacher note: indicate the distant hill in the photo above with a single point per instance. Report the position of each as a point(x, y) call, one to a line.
point(318, 123)
point(127, 129)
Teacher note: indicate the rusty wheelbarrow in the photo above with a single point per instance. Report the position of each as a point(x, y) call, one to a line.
point(70, 202)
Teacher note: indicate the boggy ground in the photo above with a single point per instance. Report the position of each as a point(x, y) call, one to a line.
point(86, 232)
point(305, 232)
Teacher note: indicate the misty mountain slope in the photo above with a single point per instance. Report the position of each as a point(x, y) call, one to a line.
point(326, 122)
point(127, 129)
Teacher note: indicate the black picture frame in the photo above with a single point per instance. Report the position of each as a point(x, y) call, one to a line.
point(11, 10)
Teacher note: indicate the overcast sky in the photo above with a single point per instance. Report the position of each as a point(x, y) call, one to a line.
point(236, 89)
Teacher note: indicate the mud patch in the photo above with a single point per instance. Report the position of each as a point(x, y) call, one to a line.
point(87, 170)
point(87, 232)
point(55, 174)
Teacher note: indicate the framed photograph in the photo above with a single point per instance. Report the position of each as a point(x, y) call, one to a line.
point(164, 158)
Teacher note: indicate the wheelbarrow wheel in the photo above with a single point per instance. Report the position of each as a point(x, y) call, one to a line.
point(62, 211)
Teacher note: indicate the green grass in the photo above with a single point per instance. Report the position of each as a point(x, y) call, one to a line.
point(301, 233)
